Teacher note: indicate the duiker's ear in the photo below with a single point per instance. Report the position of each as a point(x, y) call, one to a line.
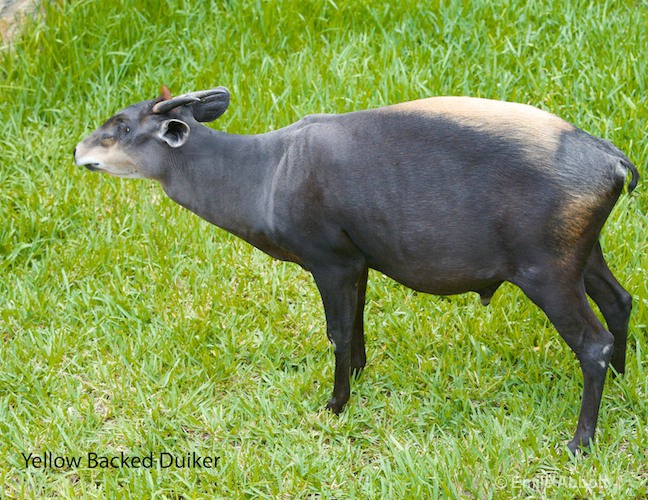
point(212, 105)
point(174, 132)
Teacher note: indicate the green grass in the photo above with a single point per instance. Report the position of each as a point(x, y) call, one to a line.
point(129, 324)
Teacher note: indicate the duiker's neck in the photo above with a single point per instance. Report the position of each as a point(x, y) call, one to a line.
point(224, 178)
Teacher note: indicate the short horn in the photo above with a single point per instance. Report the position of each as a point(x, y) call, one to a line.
point(165, 94)
point(184, 99)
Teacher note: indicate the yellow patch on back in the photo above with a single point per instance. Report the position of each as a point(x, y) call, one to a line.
point(521, 122)
point(488, 113)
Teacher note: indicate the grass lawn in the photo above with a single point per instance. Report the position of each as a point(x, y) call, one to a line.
point(129, 325)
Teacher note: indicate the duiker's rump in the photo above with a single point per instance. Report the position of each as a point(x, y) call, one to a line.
point(445, 195)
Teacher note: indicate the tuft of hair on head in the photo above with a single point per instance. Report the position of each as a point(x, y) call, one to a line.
point(165, 94)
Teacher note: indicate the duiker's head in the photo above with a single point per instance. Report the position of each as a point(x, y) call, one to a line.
point(136, 142)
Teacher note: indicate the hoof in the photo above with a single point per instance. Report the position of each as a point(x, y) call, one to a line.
point(356, 371)
point(358, 363)
point(616, 372)
point(335, 406)
point(576, 446)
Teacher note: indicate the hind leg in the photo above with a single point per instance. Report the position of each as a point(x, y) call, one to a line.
point(564, 302)
point(612, 299)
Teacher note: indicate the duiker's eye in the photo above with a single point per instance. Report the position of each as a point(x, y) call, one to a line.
point(123, 128)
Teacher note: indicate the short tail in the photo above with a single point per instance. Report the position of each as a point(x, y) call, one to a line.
point(633, 172)
point(625, 163)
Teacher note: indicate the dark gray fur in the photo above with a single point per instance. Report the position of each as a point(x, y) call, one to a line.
point(441, 206)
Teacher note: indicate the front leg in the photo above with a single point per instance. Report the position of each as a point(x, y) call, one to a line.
point(338, 285)
point(358, 353)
